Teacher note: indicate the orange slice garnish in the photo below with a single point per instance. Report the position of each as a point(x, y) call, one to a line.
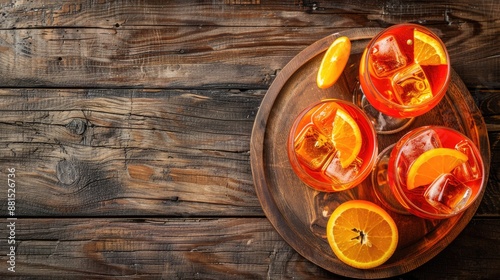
point(362, 234)
point(346, 137)
point(333, 62)
point(427, 50)
point(432, 163)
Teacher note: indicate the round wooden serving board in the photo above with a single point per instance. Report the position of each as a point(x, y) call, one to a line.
point(298, 212)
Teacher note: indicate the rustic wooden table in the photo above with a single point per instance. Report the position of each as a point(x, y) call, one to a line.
point(127, 126)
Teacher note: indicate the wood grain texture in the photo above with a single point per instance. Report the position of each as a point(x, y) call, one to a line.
point(146, 44)
point(206, 249)
point(141, 152)
point(129, 124)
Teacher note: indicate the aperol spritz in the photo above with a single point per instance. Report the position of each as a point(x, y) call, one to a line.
point(332, 145)
point(404, 72)
point(434, 172)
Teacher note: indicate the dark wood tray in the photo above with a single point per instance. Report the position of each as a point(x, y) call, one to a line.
point(299, 213)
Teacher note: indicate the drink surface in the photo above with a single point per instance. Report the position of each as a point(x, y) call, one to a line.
point(449, 193)
point(312, 152)
point(405, 71)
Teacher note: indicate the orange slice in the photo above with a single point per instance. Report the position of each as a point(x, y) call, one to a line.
point(346, 137)
point(362, 234)
point(432, 163)
point(333, 62)
point(427, 50)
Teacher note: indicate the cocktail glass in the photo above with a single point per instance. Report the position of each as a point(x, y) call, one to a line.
point(313, 156)
point(404, 72)
point(448, 194)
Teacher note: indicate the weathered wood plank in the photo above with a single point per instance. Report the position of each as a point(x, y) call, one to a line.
point(180, 154)
point(128, 152)
point(247, 248)
point(488, 102)
point(137, 44)
point(87, 13)
point(168, 57)
point(490, 205)
point(140, 152)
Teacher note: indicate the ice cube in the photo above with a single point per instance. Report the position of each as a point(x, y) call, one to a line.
point(387, 57)
point(323, 117)
point(343, 175)
point(411, 85)
point(469, 170)
point(420, 143)
point(447, 194)
point(313, 148)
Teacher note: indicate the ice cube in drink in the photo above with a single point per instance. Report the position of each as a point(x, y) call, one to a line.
point(387, 57)
point(469, 170)
point(411, 85)
point(413, 148)
point(323, 117)
point(343, 175)
point(419, 144)
point(447, 194)
point(313, 148)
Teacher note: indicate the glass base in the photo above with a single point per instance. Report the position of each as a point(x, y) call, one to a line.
point(382, 123)
point(381, 185)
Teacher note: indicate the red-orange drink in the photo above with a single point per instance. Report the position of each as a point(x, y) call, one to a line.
point(449, 193)
point(312, 148)
point(404, 71)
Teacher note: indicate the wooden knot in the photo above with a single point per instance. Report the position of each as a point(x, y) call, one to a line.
point(66, 172)
point(77, 126)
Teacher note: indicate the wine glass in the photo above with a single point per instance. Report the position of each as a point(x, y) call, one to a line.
point(312, 154)
point(433, 172)
point(404, 72)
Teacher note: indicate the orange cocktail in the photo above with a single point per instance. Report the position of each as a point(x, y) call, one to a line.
point(404, 71)
point(332, 145)
point(435, 172)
